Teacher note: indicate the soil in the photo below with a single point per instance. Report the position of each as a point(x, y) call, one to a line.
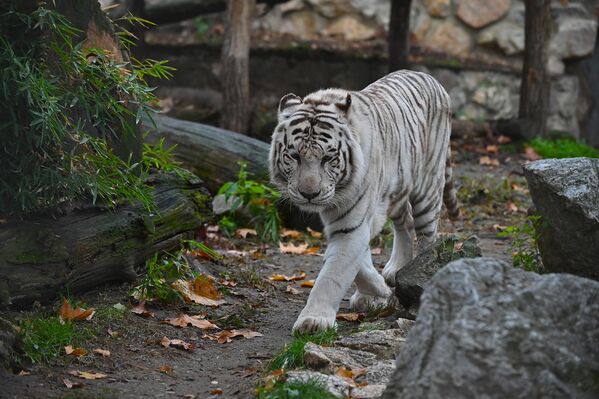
point(256, 303)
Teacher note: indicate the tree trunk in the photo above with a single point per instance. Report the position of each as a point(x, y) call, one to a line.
point(89, 247)
point(235, 66)
point(209, 152)
point(399, 34)
point(534, 90)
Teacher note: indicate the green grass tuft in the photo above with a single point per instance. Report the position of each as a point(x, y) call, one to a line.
point(292, 356)
point(45, 338)
point(310, 389)
point(562, 148)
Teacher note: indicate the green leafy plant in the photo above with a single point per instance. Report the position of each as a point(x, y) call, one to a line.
point(163, 271)
point(562, 148)
point(63, 110)
point(45, 338)
point(257, 199)
point(525, 253)
point(202, 27)
point(292, 356)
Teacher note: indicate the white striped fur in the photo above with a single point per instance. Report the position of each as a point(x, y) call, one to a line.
point(358, 158)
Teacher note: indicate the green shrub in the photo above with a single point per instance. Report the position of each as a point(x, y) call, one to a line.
point(257, 199)
point(525, 253)
point(562, 148)
point(62, 109)
point(292, 356)
point(45, 338)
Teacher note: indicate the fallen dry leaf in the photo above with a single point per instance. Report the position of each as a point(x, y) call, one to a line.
point(177, 343)
point(204, 286)
point(187, 289)
point(290, 234)
point(314, 233)
point(243, 233)
point(283, 277)
point(216, 391)
point(102, 352)
point(531, 154)
point(166, 369)
point(67, 383)
point(354, 316)
point(196, 321)
point(68, 313)
point(503, 139)
point(141, 310)
point(88, 375)
point(511, 207)
point(307, 284)
point(113, 334)
point(350, 374)
point(292, 290)
point(24, 372)
point(225, 336)
point(312, 251)
point(486, 160)
point(69, 350)
point(290, 248)
point(499, 227)
point(492, 149)
point(376, 251)
point(228, 283)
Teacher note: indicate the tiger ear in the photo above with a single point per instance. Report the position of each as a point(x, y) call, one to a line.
point(289, 100)
point(345, 105)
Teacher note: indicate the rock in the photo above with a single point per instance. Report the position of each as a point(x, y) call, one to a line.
point(334, 384)
point(404, 325)
point(566, 195)
point(564, 107)
point(508, 36)
point(575, 37)
point(328, 359)
point(438, 8)
point(447, 37)
point(410, 279)
point(351, 27)
point(480, 13)
point(380, 372)
point(487, 330)
point(384, 343)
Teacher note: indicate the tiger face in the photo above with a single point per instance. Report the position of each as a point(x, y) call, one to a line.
point(313, 151)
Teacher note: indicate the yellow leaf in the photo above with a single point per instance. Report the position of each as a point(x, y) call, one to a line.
point(307, 284)
point(290, 233)
point(69, 350)
point(314, 233)
point(283, 277)
point(68, 313)
point(187, 290)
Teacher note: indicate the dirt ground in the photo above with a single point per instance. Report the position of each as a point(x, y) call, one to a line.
point(489, 202)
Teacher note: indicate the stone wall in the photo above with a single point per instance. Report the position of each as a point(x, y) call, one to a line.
point(491, 32)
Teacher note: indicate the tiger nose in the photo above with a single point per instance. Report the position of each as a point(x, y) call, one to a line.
point(309, 196)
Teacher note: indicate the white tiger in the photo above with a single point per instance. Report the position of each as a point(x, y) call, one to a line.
point(358, 158)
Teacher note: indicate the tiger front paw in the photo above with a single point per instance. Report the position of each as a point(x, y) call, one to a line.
point(309, 323)
point(362, 303)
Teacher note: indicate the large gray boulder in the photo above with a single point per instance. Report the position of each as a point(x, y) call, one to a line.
point(487, 330)
point(566, 195)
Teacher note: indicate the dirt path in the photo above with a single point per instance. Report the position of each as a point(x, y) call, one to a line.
point(134, 368)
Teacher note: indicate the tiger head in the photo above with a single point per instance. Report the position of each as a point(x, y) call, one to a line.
point(314, 155)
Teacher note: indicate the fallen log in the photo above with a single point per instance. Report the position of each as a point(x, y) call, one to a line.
point(169, 11)
point(87, 247)
point(209, 152)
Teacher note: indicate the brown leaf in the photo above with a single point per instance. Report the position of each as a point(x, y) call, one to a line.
point(314, 233)
point(225, 336)
point(204, 286)
point(503, 139)
point(243, 233)
point(350, 374)
point(69, 350)
point(88, 375)
point(283, 277)
point(113, 334)
point(492, 149)
point(376, 251)
point(290, 289)
point(187, 289)
point(511, 207)
point(290, 233)
point(354, 316)
point(290, 248)
point(531, 154)
point(216, 391)
point(67, 383)
point(228, 283)
point(196, 321)
point(307, 284)
point(24, 372)
point(68, 313)
point(166, 369)
point(102, 352)
point(141, 310)
point(177, 343)
point(312, 251)
point(486, 160)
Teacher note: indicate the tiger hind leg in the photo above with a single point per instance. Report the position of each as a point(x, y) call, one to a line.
point(426, 221)
point(371, 291)
point(403, 243)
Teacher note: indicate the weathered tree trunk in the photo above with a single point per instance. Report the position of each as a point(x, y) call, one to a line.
point(236, 66)
point(399, 34)
point(534, 90)
point(209, 152)
point(88, 247)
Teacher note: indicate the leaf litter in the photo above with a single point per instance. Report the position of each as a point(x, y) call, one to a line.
point(197, 321)
point(67, 312)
